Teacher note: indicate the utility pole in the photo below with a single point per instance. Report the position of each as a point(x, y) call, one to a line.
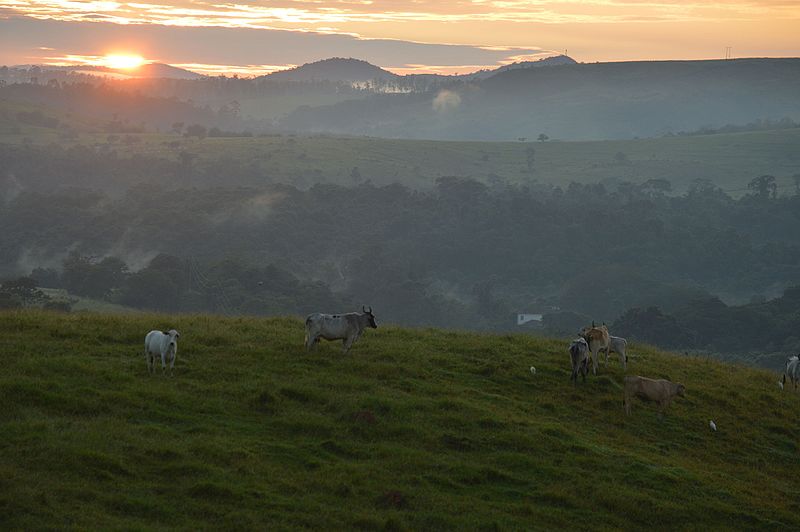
point(727, 52)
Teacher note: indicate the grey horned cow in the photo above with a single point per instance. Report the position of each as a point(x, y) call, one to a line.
point(345, 327)
point(579, 356)
point(792, 370)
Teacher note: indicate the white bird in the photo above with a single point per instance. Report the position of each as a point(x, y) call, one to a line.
point(533, 370)
point(780, 384)
point(712, 425)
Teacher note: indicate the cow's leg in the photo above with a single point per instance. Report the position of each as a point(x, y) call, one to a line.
point(347, 343)
point(624, 358)
point(172, 356)
point(163, 361)
point(148, 357)
point(311, 341)
point(595, 354)
point(626, 402)
point(607, 350)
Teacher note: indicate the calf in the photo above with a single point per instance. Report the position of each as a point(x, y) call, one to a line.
point(661, 391)
point(617, 345)
point(579, 356)
point(161, 343)
point(345, 327)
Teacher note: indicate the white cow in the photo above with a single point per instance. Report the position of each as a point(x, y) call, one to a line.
point(792, 370)
point(164, 344)
point(345, 327)
point(617, 345)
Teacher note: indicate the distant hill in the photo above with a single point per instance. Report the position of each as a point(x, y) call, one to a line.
point(333, 69)
point(575, 101)
point(356, 70)
point(148, 70)
point(161, 70)
point(558, 60)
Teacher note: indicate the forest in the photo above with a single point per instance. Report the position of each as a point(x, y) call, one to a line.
point(463, 255)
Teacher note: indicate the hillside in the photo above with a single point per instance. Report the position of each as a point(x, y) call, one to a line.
point(419, 429)
point(576, 102)
point(729, 160)
point(333, 69)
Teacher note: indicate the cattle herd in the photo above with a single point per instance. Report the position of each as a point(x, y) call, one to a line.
point(591, 342)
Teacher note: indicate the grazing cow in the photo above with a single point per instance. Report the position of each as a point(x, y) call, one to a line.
point(579, 355)
point(345, 327)
point(792, 370)
point(617, 345)
point(164, 344)
point(597, 338)
point(660, 391)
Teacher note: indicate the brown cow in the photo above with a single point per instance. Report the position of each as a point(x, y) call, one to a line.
point(598, 339)
point(660, 391)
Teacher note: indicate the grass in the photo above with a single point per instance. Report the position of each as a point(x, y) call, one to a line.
point(729, 160)
point(79, 303)
point(414, 429)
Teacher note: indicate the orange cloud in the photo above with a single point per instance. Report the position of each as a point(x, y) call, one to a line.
point(590, 29)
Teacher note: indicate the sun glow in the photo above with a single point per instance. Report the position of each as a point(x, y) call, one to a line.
point(123, 61)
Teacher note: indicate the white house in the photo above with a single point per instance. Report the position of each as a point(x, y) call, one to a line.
point(525, 318)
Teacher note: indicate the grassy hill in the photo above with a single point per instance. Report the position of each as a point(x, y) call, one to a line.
point(619, 100)
point(729, 160)
point(413, 429)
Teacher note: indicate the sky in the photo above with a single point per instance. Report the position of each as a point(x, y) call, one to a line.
point(257, 36)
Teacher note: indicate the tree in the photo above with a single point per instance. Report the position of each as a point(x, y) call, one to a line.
point(656, 187)
point(764, 186)
point(542, 137)
point(23, 291)
point(196, 130)
point(796, 178)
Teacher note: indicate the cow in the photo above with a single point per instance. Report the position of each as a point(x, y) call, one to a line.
point(163, 344)
point(661, 391)
point(792, 370)
point(597, 338)
point(617, 345)
point(579, 356)
point(345, 327)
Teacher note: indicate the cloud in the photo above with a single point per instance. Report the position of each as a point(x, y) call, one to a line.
point(229, 50)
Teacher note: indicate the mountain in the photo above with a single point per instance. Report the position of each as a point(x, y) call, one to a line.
point(575, 101)
point(162, 70)
point(558, 60)
point(148, 70)
point(335, 69)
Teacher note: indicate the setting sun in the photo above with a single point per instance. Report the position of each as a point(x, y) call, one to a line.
point(123, 61)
